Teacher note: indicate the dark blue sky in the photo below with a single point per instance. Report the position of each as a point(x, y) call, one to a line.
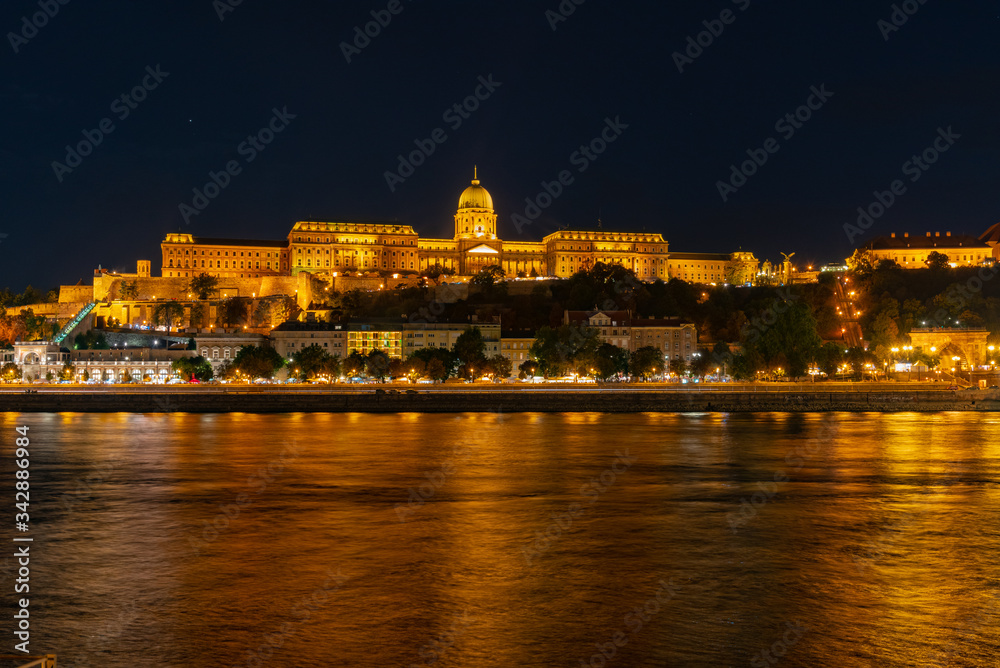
point(608, 59)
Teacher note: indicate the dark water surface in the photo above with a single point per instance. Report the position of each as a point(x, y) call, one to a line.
point(696, 540)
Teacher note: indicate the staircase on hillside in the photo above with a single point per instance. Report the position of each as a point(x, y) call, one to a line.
point(74, 323)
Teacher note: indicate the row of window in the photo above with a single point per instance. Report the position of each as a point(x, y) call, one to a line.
point(222, 253)
point(336, 251)
point(244, 264)
point(335, 240)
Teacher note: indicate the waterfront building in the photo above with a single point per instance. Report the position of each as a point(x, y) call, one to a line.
point(221, 347)
point(910, 252)
point(677, 339)
point(364, 336)
point(417, 335)
point(516, 347)
point(38, 359)
point(969, 345)
point(612, 326)
point(290, 337)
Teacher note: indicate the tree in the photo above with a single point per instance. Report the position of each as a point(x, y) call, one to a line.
point(377, 365)
point(434, 271)
point(528, 369)
point(192, 344)
point(86, 375)
point(446, 357)
point(500, 366)
point(11, 328)
point(829, 358)
point(437, 370)
point(10, 372)
point(126, 376)
point(565, 348)
point(258, 361)
point(469, 348)
point(128, 290)
point(309, 361)
point(329, 369)
point(235, 311)
point(67, 372)
point(862, 262)
point(168, 314)
point(702, 364)
point(194, 367)
point(203, 285)
point(645, 362)
point(489, 276)
point(884, 331)
point(354, 365)
point(937, 261)
point(34, 325)
point(857, 357)
point(610, 361)
point(199, 315)
point(791, 339)
point(414, 368)
point(397, 368)
point(227, 371)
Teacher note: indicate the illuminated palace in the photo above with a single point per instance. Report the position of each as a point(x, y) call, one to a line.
point(330, 247)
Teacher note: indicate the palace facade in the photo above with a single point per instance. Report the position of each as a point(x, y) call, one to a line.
point(361, 247)
point(911, 252)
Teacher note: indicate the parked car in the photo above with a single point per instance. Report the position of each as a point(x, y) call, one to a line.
point(953, 387)
point(994, 387)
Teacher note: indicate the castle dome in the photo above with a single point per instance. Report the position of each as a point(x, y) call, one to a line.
point(475, 196)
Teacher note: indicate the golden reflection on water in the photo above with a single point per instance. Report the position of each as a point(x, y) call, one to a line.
point(876, 532)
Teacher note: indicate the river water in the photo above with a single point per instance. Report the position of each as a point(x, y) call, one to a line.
point(520, 540)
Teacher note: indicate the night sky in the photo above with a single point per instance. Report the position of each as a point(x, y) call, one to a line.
point(222, 80)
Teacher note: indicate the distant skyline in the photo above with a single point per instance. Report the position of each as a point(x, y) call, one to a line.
point(301, 116)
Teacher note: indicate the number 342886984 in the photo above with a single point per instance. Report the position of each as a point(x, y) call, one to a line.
point(21, 498)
